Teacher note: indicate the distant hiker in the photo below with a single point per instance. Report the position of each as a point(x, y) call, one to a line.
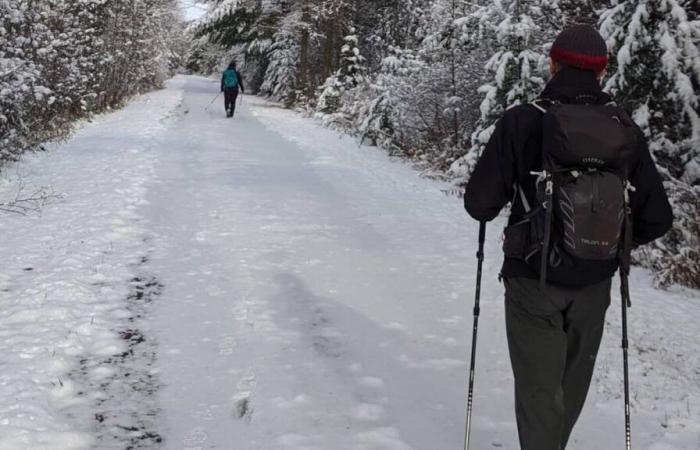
point(231, 81)
point(570, 163)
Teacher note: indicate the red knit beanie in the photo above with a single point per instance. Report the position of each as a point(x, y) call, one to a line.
point(580, 46)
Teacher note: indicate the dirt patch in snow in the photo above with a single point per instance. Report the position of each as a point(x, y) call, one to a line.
point(124, 386)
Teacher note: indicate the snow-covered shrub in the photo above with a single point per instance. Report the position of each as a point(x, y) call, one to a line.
point(427, 108)
point(676, 257)
point(62, 60)
point(329, 98)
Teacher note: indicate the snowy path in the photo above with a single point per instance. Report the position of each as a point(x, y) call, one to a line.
point(265, 284)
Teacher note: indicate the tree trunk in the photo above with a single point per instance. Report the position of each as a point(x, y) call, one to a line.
point(329, 46)
point(304, 70)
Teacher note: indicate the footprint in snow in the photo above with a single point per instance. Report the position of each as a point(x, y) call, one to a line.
point(242, 404)
point(226, 346)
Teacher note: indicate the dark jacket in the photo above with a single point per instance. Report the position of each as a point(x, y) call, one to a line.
point(240, 81)
point(515, 150)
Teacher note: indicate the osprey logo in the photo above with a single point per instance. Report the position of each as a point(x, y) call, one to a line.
point(592, 161)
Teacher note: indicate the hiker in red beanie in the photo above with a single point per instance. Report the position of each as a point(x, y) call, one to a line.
point(574, 166)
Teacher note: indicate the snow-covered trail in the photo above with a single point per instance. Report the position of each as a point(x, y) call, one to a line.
point(266, 284)
point(317, 302)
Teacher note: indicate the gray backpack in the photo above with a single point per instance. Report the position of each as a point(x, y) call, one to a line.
point(582, 209)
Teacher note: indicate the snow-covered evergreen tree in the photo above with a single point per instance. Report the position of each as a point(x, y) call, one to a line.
point(280, 81)
point(656, 75)
point(455, 60)
point(574, 12)
point(352, 69)
point(350, 74)
point(379, 115)
point(517, 64)
point(204, 56)
point(516, 31)
point(244, 31)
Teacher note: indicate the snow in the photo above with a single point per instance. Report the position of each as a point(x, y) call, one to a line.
point(66, 275)
point(266, 283)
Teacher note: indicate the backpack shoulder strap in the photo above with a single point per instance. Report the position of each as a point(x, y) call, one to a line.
point(539, 106)
point(543, 104)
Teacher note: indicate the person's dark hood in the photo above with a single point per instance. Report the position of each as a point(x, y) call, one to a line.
point(571, 85)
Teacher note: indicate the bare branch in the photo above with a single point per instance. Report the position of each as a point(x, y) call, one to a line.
point(25, 203)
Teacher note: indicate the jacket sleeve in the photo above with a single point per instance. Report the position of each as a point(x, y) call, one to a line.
point(490, 187)
point(651, 212)
point(240, 81)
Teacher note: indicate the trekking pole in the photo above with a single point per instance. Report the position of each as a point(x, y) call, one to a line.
point(625, 360)
point(212, 102)
point(626, 303)
point(470, 397)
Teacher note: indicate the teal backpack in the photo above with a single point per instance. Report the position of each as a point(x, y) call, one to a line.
point(230, 78)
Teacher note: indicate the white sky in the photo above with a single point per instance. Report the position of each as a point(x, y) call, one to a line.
point(192, 9)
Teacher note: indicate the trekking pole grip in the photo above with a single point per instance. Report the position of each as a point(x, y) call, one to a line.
point(482, 239)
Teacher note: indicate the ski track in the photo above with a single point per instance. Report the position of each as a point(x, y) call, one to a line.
point(268, 284)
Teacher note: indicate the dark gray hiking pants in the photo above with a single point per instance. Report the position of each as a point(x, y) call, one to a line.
point(553, 338)
point(230, 96)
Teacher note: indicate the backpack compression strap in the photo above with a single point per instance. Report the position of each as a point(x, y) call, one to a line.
point(540, 105)
point(545, 177)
